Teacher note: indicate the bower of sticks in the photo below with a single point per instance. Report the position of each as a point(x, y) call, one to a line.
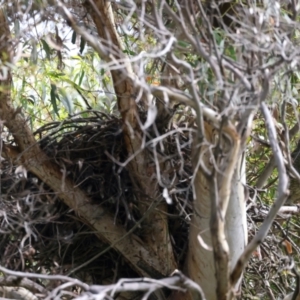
point(40, 234)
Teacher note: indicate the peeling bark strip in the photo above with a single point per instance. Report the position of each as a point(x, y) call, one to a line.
point(29, 154)
point(157, 236)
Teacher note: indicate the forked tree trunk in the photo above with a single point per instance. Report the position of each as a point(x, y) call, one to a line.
point(201, 262)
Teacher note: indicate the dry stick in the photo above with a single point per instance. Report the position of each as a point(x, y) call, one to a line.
point(282, 195)
point(23, 282)
point(177, 282)
point(265, 175)
point(198, 46)
point(289, 210)
point(94, 42)
point(44, 276)
point(209, 114)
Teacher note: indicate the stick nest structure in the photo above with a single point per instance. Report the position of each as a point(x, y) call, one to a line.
point(41, 234)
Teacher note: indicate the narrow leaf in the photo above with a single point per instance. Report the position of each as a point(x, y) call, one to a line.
point(53, 95)
point(66, 101)
point(46, 48)
point(81, 77)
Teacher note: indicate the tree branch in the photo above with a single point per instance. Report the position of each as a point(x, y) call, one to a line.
point(281, 198)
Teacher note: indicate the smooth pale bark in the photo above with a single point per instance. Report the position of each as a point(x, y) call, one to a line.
point(236, 219)
point(200, 263)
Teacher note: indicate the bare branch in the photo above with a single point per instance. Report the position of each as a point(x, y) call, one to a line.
point(23, 282)
point(281, 198)
point(177, 282)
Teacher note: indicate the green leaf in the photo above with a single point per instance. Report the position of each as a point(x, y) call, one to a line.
point(53, 96)
point(72, 83)
point(46, 48)
point(81, 77)
point(56, 75)
point(222, 46)
point(66, 101)
point(129, 52)
point(232, 52)
point(183, 44)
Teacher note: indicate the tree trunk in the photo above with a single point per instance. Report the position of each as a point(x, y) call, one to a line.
point(141, 167)
point(201, 262)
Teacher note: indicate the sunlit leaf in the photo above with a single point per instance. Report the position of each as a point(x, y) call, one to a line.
point(127, 51)
point(56, 75)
